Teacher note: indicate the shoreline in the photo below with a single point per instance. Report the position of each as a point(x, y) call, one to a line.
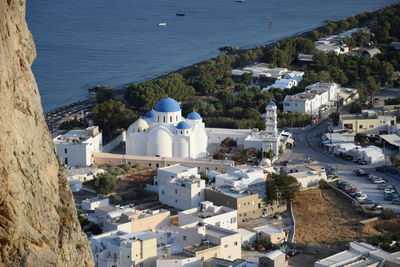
point(121, 88)
point(90, 101)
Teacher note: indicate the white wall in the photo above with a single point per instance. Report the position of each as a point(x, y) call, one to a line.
point(187, 262)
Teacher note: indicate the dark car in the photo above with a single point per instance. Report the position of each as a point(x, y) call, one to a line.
point(381, 169)
point(293, 252)
point(367, 202)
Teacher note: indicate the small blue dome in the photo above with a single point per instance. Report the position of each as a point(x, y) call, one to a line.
point(271, 104)
point(194, 116)
point(183, 125)
point(150, 114)
point(167, 105)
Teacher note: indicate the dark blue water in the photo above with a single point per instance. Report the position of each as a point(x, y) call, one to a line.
point(114, 42)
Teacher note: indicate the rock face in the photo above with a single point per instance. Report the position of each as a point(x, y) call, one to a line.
point(38, 221)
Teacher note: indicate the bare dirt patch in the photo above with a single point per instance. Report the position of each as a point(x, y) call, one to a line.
point(325, 218)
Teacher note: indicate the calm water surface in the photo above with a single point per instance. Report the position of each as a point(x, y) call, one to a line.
point(114, 42)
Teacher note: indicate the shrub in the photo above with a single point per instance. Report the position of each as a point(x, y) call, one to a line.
point(388, 214)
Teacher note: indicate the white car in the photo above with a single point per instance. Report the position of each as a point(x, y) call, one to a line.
point(362, 197)
point(378, 181)
point(389, 191)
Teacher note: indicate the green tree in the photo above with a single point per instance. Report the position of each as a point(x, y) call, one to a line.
point(105, 183)
point(112, 115)
point(246, 78)
point(335, 118)
point(355, 108)
point(286, 186)
point(361, 140)
point(104, 94)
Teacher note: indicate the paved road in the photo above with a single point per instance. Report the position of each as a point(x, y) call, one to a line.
point(308, 144)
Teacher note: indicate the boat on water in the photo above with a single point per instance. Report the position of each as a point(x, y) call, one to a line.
point(180, 14)
point(161, 24)
point(240, 1)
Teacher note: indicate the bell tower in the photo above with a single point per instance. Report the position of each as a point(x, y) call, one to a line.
point(271, 120)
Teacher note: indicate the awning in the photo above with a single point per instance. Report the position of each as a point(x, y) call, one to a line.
point(392, 139)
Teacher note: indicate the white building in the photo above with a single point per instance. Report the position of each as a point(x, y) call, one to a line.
point(274, 234)
point(359, 254)
point(308, 102)
point(75, 147)
point(82, 174)
point(208, 213)
point(75, 185)
point(180, 186)
point(332, 89)
point(163, 132)
point(119, 249)
point(306, 175)
point(270, 138)
point(226, 243)
point(240, 178)
point(370, 154)
point(94, 202)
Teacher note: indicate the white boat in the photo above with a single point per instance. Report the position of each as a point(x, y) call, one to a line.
point(240, 1)
point(162, 24)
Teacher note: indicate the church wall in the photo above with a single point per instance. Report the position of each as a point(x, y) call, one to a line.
point(167, 117)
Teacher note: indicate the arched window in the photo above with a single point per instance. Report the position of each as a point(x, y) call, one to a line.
point(164, 118)
point(176, 117)
point(158, 118)
point(170, 118)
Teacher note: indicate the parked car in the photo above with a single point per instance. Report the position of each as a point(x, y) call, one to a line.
point(363, 162)
point(376, 207)
point(361, 172)
point(260, 248)
point(390, 197)
point(367, 202)
point(382, 169)
point(378, 181)
point(389, 191)
point(382, 186)
point(362, 197)
point(293, 252)
point(396, 201)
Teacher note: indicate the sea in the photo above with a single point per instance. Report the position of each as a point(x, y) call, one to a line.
point(81, 44)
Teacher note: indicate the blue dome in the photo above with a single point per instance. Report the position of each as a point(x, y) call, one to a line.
point(194, 116)
point(271, 104)
point(150, 114)
point(167, 105)
point(183, 125)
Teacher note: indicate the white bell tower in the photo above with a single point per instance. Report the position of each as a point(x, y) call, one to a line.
point(271, 120)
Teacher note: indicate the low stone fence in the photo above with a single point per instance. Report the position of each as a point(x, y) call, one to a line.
point(354, 202)
point(292, 233)
point(114, 143)
point(312, 249)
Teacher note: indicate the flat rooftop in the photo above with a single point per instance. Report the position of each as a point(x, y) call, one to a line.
point(229, 191)
point(218, 232)
point(177, 168)
point(343, 257)
point(268, 229)
point(199, 247)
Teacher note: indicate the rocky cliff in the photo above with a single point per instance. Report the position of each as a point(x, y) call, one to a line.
point(38, 221)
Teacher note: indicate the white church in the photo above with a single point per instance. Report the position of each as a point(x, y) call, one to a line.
point(164, 132)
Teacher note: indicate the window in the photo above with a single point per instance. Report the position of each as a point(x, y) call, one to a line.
point(371, 126)
point(218, 224)
point(236, 243)
point(164, 118)
point(66, 161)
point(158, 118)
point(176, 191)
point(162, 192)
point(184, 237)
point(176, 117)
point(176, 201)
point(170, 118)
point(226, 245)
point(65, 150)
point(233, 220)
point(150, 164)
point(360, 126)
point(157, 165)
point(198, 193)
